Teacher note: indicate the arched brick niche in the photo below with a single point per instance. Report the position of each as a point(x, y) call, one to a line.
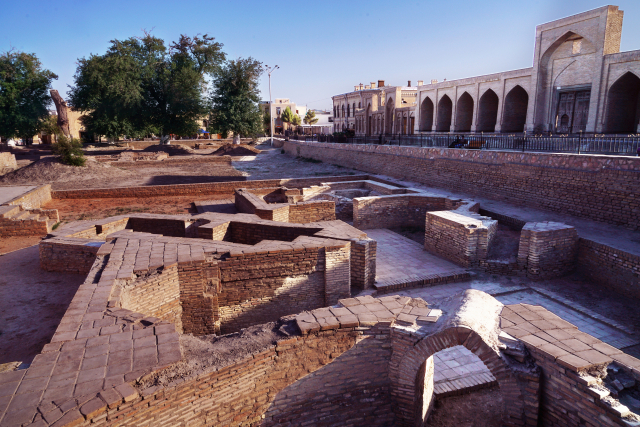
point(471, 320)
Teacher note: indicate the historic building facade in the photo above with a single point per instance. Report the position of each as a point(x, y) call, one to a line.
point(579, 82)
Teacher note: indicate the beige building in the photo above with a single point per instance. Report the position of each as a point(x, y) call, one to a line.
point(277, 108)
point(579, 82)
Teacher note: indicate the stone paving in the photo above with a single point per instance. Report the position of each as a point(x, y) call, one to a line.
point(399, 258)
point(10, 193)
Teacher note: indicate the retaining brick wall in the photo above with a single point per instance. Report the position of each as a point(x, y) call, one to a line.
point(602, 188)
point(155, 295)
point(613, 268)
point(305, 212)
point(547, 249)
point(363, 263)
point(262, 390)
point(33, 199)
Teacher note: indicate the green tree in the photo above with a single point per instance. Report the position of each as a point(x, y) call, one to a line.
point(296, 120)
point(235, 97)
point(310, 118)
point(24, 94)
point(139, 87)
point(69, 151)
point(286, 116)
point(266, 122)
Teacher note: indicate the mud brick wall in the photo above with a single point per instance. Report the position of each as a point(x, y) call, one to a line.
point(7, 163)
point(261, 287)
point(363, 263)
point(602, 188)
point(337, 274)
point(549, 248)
point(305, 212)
point(252, 391)
point(215, 188)
point(396, 211)
point(69, 255)
point(213, 232)
point(33, 199)
point(154, 295)
point(613, 268)
point(247, 202)
point(199, 284)
point(461, 239)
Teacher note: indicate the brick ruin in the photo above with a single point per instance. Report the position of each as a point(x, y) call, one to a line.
point(124, 353)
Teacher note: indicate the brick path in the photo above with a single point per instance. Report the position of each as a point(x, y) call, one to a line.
point(399, 258)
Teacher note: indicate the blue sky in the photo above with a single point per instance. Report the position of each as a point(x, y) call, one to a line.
point(322, 48)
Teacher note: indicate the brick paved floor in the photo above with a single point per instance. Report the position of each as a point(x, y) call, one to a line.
point(399, 257)
point(456, 369)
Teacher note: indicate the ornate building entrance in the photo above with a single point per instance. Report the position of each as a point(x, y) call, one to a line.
point(573, 111)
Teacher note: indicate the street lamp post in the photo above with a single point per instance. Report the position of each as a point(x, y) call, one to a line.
point(270, 105)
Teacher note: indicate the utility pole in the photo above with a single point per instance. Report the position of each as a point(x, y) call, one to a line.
point(269, 71)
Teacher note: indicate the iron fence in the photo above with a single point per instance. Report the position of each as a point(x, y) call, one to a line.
point(579, 144)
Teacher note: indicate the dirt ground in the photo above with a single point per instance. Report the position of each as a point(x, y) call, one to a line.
point(32, 302)
point(482, 408)
point(272, 164)
point(10, 244)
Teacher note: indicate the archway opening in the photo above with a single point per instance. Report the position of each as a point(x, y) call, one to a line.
point(445, 109)
point(454, 388)
point(426, 115)
point(487, 112)
point(623, 105)
point(515, 110)
point(464, 113)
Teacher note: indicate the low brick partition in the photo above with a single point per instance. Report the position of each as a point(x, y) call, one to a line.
point(24, 215)
point(602, 188)
point(283, 205)
point(459, 238)
point(616, 269)
point(547, 249)
point(33, 199)
point(7, 163)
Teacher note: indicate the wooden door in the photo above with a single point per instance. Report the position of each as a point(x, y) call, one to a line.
point(581, 111)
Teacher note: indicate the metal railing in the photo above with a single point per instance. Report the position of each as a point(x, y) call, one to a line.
point(578, 144)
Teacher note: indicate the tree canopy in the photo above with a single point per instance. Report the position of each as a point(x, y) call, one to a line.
point(286, 116)
point(24, 94)
point(296, 120)
point(310, 118)
point(139, 87)
point(235, 97)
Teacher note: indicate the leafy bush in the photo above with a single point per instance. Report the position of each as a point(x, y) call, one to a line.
point(69, 151)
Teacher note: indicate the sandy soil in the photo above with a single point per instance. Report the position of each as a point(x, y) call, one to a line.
point(32, 302)
point(236, 150)
point(482, 408)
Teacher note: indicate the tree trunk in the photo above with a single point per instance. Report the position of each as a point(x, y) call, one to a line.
point(164, 140)
point(236, 138)
point(63, 117)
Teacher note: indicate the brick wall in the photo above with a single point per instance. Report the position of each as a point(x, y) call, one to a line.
point(213, 188)
point(602, 188)
point(7, 163)
point(396, 211)
point(616, 269)
point(459, 238)
point(255, 390)
point(363, 263)
point(305, 212)
point(156, 294)
point(33, 199)
point(337, 275)
point(199, 282)
point(248, 201)
point(17, 222)
point(70, 255)
point(550, 249)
